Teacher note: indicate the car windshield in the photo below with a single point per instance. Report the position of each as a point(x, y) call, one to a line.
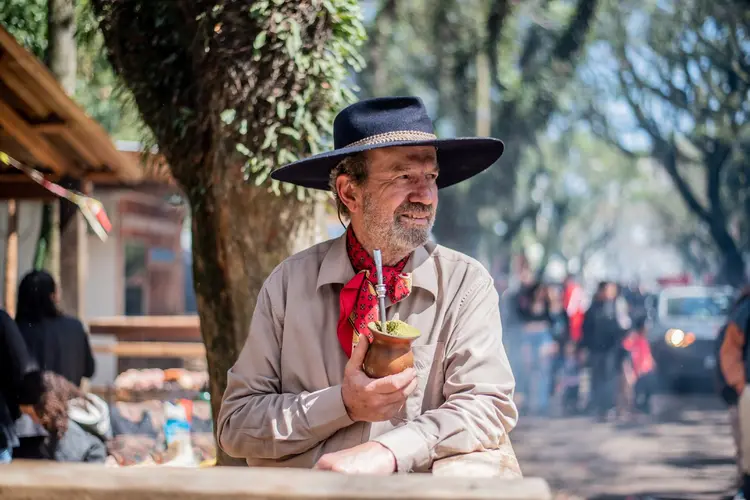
point(700, 306)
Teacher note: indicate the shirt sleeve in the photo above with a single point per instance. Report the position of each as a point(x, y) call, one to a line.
point(479, 411)
point(258, 420)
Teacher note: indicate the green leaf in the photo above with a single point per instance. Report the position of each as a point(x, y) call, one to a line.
point(294, 42)
point(260, 177)
point(228, 115)
point(270, 136)
point(281, 108)
point(290, 132)
point(260, 40)
point(242, 149)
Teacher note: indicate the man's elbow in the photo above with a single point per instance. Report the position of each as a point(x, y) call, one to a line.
point(230, 438)
point(505, 413)
point(233, 437)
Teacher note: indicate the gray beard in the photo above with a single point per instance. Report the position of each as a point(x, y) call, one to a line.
point(396, 238)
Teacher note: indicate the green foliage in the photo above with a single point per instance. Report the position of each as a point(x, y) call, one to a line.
point(258, 82)
point(97, 89)
point(681, 71)
point(26, 20)
point(431, 48)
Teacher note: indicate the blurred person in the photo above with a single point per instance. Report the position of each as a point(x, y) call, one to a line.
point(560, 330)
point(641, 363)
point(20, 383)
point(734, 374)
point(538, 349)
point(297, 396)
point(76, 425)
point(569, 380)
point(573, 302)
point(604, 327)
point(58, 343)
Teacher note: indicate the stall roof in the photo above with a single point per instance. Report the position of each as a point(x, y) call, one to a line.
point(44, 128)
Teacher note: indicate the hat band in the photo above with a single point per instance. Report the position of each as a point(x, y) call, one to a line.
point(395, 136)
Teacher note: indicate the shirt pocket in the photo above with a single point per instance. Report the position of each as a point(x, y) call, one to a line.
point(424, 361)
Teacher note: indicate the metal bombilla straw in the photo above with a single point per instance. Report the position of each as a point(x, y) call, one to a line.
point(380, 287)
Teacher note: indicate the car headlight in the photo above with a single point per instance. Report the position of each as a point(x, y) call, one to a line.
point(677, 338)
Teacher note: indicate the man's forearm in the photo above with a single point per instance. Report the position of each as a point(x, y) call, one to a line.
point(464, 424)
point(274, 426)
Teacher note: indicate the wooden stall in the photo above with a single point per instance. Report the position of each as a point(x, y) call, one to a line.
point(43, 128)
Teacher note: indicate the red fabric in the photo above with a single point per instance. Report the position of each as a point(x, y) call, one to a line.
point(640, 352)
point(358, 301)
point(573, 304)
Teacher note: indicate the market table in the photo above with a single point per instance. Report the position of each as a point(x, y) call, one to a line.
point(42, 480)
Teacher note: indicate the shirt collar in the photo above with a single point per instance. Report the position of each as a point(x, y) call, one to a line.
point(336, 268)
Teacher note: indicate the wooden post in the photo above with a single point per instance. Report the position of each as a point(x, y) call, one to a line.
point(11, 258)
point(483, 101)
point(74, 256)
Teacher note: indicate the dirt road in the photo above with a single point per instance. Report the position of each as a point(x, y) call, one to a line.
point(686, 452)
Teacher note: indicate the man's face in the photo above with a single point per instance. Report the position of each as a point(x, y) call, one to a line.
point(610, 291)
point(399, 197)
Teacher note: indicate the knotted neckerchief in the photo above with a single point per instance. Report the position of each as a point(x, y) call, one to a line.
point(358, 301)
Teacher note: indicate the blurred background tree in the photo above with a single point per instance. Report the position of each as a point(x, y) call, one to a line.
point(672, 82)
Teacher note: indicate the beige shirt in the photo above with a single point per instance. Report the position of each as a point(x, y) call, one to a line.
point(283, 404)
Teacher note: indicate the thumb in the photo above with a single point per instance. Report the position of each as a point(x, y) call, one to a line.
point(359, 351)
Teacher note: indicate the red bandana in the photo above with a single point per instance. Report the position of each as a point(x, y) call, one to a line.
point(358, 301)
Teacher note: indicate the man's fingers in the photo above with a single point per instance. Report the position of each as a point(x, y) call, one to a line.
point(401, 395)
point(393, 383)
point(391, 410)
point(358, 353)
point(410, 388)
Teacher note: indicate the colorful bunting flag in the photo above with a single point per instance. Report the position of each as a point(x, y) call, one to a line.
point(91, 209)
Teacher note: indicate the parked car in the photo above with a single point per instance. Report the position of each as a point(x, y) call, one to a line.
point(683, 334)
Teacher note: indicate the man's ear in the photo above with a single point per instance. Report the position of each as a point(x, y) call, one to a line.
point(348, 193)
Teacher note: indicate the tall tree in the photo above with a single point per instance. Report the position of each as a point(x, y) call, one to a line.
point(61, 59)
point(529, 51)
point(681, 68)
point(231, 90)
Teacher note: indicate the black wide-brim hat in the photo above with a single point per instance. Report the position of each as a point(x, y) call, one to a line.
point(386, 122)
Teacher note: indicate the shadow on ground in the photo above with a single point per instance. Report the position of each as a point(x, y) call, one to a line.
point(685, 452)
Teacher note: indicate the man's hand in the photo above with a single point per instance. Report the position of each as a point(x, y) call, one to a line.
point(374, 400)
point(367, 458)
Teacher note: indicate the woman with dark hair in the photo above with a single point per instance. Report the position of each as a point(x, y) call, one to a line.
point(20, 383)
point(76, 424)
point(59, 343)
point(537, 348)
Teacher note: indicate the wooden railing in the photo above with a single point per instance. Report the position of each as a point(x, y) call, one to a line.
point(152, 328)
point(153, 349)
point(57, 481)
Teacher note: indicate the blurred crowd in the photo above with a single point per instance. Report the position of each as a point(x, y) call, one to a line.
point(563, 341)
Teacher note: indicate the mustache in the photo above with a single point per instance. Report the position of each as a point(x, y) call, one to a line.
point(416, 208)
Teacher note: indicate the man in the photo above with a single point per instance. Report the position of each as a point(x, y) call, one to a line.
point(734, 375)
point(297, 395)
point(604, 328)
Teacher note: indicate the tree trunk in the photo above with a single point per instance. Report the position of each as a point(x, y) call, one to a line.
point(61, 60)
point(11, 258)
point(240, 234)
point(732, 270)
point(61, 52)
